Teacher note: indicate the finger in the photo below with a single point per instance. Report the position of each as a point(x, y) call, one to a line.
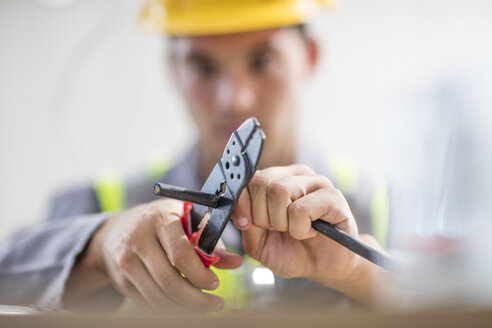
point(258, 188)
point(165, 288)
point(130, 291)
point(180, 252)
point(241, 216)
point(298, 169)
point(254, 241)
point(138, 276)
point(282, 192)
point(339, 213)
point(228, 260)
point(278, 200)
point(326, 204)
point(169, 206)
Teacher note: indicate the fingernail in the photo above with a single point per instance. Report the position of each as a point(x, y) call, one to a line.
point(242, 222)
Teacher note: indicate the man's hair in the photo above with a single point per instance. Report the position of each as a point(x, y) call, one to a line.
point(302, 28)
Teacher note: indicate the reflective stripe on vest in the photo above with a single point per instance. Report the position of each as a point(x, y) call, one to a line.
point(156, 167)
point(110, 191)
point(345, 173)
point(347, 178)
point(380, 213)
point(231, 288)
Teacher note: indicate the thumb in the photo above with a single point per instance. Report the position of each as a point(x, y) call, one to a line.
point(228, 260)
point(242, 217)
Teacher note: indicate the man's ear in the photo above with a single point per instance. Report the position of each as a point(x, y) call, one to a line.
point(313, 53)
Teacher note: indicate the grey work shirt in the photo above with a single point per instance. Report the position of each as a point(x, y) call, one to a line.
point(35, 264)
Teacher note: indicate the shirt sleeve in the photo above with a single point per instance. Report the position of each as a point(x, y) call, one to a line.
point(74, 202)
point(35, 264)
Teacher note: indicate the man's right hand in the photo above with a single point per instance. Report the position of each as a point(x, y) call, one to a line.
point(142, 253)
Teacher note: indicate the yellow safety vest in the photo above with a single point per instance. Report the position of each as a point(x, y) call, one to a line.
point(347, 179)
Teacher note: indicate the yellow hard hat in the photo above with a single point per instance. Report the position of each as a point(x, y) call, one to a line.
point(207, 17)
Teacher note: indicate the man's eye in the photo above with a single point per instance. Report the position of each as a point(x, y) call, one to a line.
point(261, 63)
point(202, 69)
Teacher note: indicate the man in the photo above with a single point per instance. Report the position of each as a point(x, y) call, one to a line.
point(228, 68)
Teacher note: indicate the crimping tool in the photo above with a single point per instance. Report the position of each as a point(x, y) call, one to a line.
point(220, 193)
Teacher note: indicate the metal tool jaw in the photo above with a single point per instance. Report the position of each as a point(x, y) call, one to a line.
point(229, 177)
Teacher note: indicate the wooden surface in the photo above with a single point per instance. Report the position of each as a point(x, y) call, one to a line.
point(465, 319)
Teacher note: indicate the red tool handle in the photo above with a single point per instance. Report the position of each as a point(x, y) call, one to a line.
point(207, 259)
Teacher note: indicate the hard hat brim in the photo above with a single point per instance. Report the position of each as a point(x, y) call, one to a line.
point(220, 20)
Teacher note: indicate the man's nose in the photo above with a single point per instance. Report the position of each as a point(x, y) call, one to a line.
point(235, 94)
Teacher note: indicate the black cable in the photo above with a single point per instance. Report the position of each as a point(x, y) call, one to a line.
point(188, 195)
point(356, 246)
point(327, 229)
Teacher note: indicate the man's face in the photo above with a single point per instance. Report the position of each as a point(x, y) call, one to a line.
point(226, 79)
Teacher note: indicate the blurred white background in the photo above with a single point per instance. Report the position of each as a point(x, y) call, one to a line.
point(83, 88)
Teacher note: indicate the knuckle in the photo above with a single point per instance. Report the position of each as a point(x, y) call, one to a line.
point(140, 249)
point(296, 210)
point(260, 180)
point(179, 251)
point(339, 193)
point(133, 238)
point(302, 168)
point(276, 190)
point(170, 285)
point(150, 218)
point(125, 260)
point(150, 214)
point(165, 209)
point(325, 181)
